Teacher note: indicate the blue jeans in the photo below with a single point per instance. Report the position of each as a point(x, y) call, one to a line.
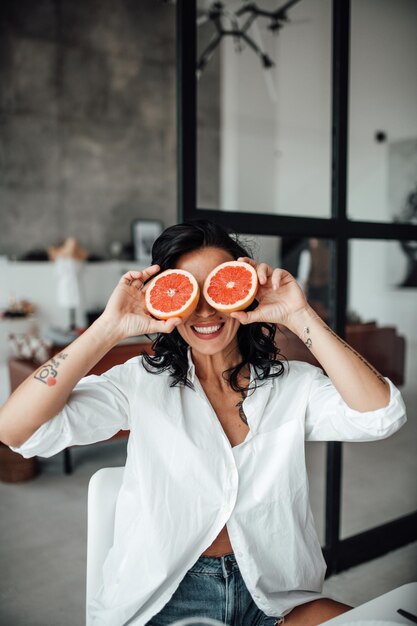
point(214, 588)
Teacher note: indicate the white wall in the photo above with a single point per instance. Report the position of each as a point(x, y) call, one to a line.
point(275, 147)
point(383, 96)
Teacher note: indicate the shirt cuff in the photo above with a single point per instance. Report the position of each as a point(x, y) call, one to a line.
point(44, 441)
point(384, 421)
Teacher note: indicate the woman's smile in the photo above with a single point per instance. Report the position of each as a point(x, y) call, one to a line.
point(208, 331)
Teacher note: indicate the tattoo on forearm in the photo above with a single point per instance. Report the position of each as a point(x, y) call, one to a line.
point(360, 357)
point(48, 372)
point(308, 342)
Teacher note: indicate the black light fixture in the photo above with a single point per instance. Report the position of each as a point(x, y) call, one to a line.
point(219, 15)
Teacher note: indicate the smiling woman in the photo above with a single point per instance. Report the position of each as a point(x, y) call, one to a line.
point(213, 517)
point(199, 248)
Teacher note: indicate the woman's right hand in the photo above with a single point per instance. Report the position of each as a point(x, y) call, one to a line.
point(126, 311)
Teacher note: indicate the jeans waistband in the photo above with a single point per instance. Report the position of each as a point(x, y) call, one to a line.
point(220, 565)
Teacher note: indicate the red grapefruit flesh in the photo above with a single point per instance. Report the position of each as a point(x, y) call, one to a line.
point(173, 293)
point(231, 286)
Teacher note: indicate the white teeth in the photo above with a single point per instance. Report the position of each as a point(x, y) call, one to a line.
point(207, 330)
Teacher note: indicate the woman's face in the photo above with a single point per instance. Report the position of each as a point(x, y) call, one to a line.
point(206, 330)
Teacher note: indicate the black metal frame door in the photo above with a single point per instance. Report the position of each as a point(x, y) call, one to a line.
point(339, 554)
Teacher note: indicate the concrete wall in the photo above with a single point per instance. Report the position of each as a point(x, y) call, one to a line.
point(87, 120)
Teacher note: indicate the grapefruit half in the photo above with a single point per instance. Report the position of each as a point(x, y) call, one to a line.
point(231, 286)
point(173, 293)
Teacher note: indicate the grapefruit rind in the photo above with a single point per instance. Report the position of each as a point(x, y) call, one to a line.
point(172, 293)
point(227, 297)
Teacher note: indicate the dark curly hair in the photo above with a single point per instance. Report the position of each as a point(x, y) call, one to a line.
point(256, 341)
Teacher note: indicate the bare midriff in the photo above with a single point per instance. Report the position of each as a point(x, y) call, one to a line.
point(220, 546)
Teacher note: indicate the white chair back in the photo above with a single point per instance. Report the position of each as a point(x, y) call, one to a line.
point(103, 489)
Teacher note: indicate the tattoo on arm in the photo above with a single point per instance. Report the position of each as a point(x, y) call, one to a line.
point(308, 342)
point(360, 357)
point(48, 372)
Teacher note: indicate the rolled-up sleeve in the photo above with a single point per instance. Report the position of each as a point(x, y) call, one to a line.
point(329, 418)
point(97, 408)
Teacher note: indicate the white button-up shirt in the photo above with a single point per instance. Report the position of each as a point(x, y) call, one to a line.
point(183, 481)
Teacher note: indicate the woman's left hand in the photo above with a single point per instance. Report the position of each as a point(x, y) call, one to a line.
point(279, 296)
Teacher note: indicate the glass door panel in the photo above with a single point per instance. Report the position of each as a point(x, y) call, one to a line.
point(382, 183)
point(380, 478)
point(264, 109)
